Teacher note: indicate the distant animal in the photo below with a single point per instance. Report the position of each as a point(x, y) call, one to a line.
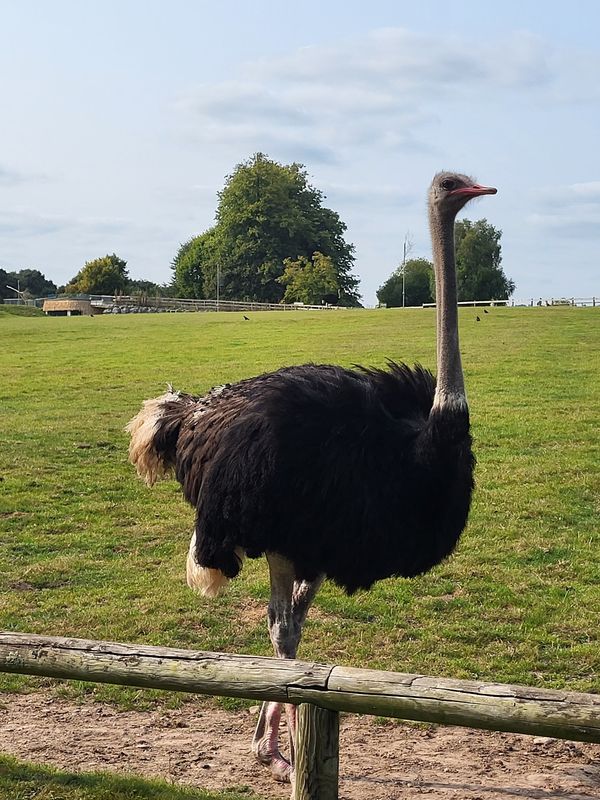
point(478, 318)
point(246, 318)
point(485, 311)
point(349, 474)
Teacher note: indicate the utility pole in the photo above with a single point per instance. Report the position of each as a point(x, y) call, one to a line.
point(218, 283)
point(18, 291)
point(404, 274)
point(406, 248)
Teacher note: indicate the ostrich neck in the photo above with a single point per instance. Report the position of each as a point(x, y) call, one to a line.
point(450, 389)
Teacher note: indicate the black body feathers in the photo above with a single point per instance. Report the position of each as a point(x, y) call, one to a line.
point(345, 472)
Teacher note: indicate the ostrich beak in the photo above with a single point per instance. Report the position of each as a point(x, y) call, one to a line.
point(474, 191)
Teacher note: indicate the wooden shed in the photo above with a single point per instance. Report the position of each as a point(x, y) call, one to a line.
point(64, 307)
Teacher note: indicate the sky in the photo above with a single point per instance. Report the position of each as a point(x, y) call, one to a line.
point(120, 122)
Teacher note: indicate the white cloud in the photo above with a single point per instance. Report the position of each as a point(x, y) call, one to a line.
point(581, 225)
point(22, 223)
point(25, 223)
point(235, 102)
point(572, 211)
point(368, 195)
point(384, 90)
point(410, 61)
point(588, 192)
point(9, 176)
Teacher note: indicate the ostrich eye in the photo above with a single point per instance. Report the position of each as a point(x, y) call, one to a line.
point(448, 184)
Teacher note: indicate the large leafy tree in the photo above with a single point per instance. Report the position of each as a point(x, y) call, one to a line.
point(106, 275)
point(267, 213)
point(418, 280)
point(479, 273)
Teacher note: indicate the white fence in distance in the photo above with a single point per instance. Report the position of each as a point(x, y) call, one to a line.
point(473, 303)
point(130, 302)
point(107, 302)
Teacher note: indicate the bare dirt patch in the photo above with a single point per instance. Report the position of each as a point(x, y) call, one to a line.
point(210, 748)
point(253, 612)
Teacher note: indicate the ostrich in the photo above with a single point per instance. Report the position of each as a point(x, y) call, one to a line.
point(349, 474)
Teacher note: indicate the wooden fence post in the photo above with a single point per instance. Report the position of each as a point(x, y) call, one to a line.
point(317, 753)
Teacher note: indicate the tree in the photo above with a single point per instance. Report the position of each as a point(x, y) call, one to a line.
point(30, 281)
point(267, 213)
point(106, 275)
point(5, 278)
point(34, 282)
point(141, 286)
point(417, 284)
point(478, 262)
point(195, 266)
point(309, 280)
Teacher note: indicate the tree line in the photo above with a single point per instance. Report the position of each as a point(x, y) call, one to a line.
point(28, 282)
point(106, 275)
point(479, 274)
point(275, 241)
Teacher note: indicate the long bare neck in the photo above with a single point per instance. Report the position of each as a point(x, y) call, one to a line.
point(450, 389)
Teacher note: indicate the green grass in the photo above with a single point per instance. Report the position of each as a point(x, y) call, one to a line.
point(87, 550)
point(21, 781)
point(20, 311)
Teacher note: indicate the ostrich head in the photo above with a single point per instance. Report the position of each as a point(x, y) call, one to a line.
point(450, 191)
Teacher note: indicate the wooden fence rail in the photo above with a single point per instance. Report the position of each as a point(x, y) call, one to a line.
point(192, 304)
point(320, 690)
point(473, 303)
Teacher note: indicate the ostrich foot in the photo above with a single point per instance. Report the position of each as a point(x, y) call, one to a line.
point(265, 744)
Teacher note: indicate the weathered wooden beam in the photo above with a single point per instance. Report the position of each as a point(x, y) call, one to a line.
point(517, 709)
point(251, 677)
point(317, 754)
point(474, 704)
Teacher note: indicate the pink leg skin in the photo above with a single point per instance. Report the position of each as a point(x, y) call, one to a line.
point(265, 744)
point(289, 604)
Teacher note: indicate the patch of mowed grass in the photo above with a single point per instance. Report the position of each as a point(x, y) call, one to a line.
point(20, 311)
point(22, 781)
point(87, 550)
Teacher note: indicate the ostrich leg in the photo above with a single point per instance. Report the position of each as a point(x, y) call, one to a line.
point(288, 607)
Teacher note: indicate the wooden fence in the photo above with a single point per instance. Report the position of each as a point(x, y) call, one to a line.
point(473, 303)
point(320, 691)
point(146, 301)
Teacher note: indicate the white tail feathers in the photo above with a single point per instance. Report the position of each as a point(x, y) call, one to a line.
point(205, 580)
point(142, 428)
point(151, 467)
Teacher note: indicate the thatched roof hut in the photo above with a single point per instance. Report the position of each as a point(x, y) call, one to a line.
point(65, 307)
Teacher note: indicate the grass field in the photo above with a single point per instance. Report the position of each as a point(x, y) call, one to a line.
point(20, 311)
point(19, 781)
point(87, 550)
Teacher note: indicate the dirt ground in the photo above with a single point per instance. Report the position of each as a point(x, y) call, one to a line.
point(209, 748)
